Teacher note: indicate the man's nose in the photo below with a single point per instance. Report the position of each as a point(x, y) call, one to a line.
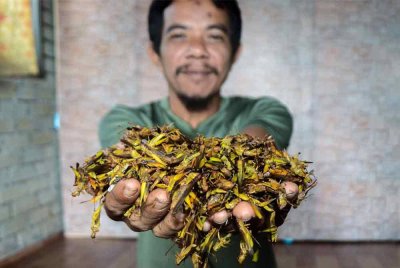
point(197, 48)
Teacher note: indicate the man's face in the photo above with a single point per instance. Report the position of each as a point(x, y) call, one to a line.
point(195, 48)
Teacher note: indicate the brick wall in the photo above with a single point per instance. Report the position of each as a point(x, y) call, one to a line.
point(97, 65)
point(30, 203)
point(333, 63)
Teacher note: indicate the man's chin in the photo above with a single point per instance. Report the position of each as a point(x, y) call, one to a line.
point(196, 103)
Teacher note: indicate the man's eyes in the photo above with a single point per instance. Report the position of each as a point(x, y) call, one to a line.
point(177, 36)
point(216, 37)
point(210, 37)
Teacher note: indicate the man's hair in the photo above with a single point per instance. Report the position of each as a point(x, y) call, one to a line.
point(156, 21)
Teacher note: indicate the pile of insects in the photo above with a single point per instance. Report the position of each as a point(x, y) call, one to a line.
point(202, 176)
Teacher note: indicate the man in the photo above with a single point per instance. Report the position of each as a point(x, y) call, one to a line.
point(195, 44)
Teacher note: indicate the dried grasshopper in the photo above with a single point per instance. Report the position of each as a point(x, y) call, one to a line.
point(202, 176)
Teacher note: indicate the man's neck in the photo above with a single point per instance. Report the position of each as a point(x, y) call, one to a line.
point(193, 118)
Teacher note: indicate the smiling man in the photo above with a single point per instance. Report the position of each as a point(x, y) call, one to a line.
point(195, 54)
point(195, 44)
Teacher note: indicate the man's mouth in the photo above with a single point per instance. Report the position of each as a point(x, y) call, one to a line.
point(196, 72)
point(197, 76)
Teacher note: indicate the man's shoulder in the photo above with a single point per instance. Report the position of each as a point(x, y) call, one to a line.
point(122, 114)
point(113, 124)
point(142, 108)
point(243, 102)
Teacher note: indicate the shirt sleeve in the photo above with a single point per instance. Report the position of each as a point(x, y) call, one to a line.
point(274, 117)
point(114, 123)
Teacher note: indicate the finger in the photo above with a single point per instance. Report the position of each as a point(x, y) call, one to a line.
point(220, 217)
point(291, 190)
point(206, 226)
point(155, 208)
point(170, 225)
point(122, 196)
point(244, 211)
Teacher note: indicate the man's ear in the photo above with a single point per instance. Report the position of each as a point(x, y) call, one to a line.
point(154, 57)
point(238, 52)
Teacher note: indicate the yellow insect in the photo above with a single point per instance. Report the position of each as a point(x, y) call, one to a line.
point(223, 241)
point(184, 253)
point(96, 221)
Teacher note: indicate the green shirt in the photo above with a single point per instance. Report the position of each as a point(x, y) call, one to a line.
point(233, 116)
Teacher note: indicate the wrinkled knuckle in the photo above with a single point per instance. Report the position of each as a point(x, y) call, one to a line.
point(160, 232)
point(137, 225)
point(151, 219)
point(113, 212)
point(114, 198)
point(156, 210)
point(174, 226)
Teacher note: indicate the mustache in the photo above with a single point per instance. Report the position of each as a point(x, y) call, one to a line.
point(206, 67)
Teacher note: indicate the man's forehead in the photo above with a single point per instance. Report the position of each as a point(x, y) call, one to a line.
point(194, 12)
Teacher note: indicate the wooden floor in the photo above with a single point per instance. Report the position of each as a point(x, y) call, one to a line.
point(76, 253)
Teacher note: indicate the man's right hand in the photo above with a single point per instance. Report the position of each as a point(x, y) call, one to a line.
point(155, 213)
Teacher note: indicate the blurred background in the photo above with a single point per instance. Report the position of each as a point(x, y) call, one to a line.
point(335, 64)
